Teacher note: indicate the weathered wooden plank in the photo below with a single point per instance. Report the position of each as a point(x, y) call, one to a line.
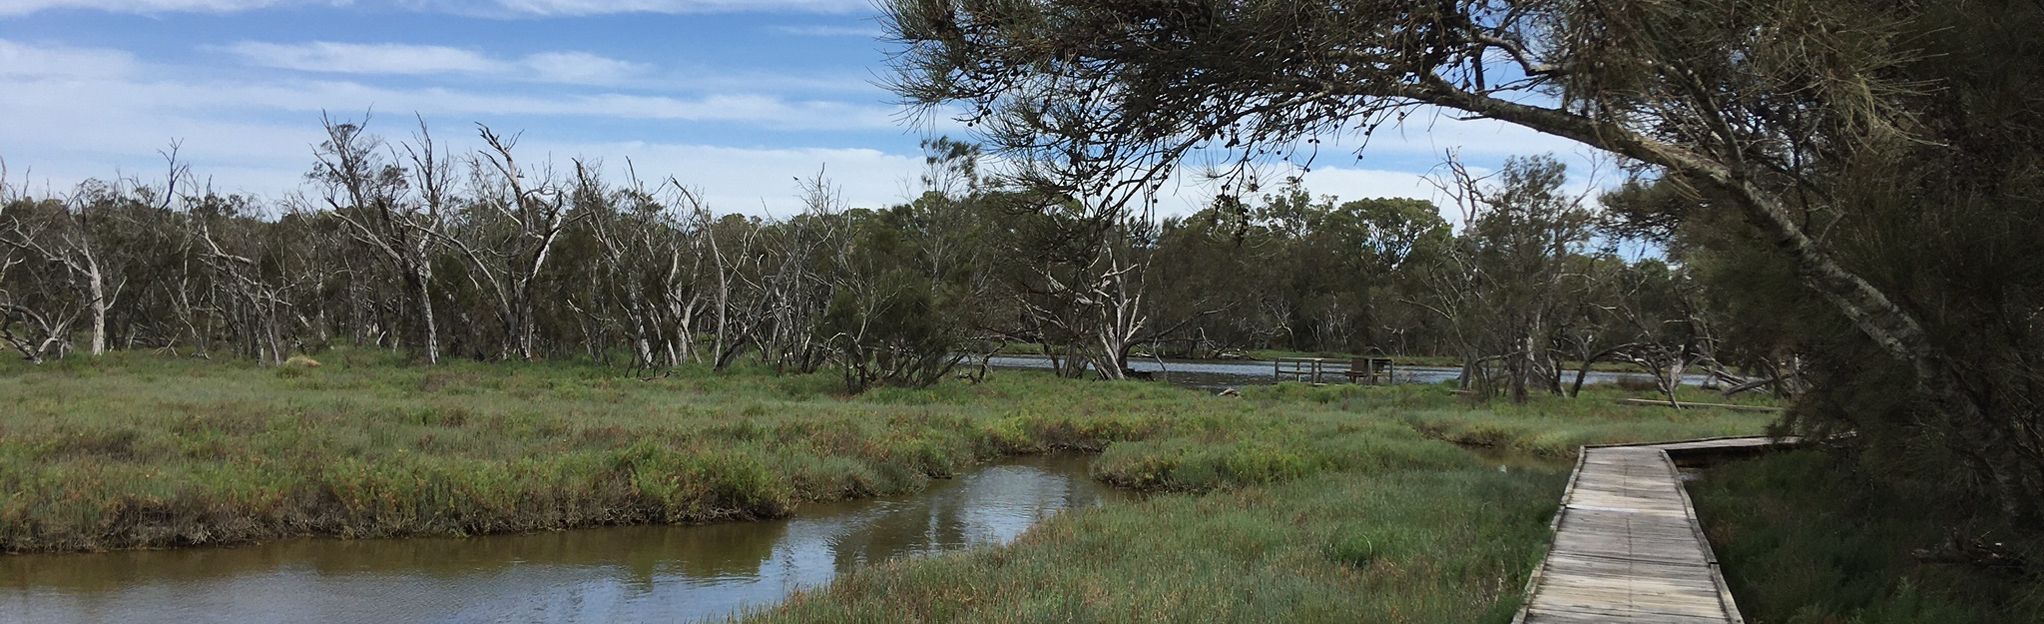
point(1543, 615)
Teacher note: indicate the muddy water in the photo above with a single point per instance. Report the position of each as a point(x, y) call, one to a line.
point(651, 574)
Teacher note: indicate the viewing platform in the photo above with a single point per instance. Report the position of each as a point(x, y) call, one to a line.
point(1368, 369)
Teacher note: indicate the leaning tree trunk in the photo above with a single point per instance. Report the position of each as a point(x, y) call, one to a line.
point(1894, 330)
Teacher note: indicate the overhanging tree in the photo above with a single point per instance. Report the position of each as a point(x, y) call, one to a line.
point(1764, 106)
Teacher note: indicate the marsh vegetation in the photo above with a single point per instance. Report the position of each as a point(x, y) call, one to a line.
point(135, 450)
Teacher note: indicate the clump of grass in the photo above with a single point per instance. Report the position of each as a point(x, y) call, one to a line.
point(1806, 537)
point(1550, 426)
point(1273, 449)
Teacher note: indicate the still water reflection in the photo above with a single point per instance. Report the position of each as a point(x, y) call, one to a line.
point(632, 574)
point(1214, 375)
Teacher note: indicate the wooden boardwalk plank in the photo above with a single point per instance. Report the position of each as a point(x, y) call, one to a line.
point(1627, 546)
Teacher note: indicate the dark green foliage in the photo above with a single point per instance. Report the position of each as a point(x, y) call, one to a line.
point(899, 314)
point(1810, 537)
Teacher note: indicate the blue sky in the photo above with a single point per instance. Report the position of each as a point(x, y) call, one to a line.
point(735, 97)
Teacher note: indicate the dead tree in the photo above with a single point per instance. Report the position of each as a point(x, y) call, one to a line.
point(369, 193)
point(265, 298)
point(60, 235)
point(508, 235)
point(652, 262)
point(33, 334)
point(793, 287)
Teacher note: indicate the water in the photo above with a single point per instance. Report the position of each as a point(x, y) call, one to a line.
point(1216, 375)
point(632, 574)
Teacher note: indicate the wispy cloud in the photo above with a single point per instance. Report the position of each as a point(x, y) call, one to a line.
point(560, 67)
point(818, 30)
point(24, 7)
point(18, 60)
point(421, 60)
point(604, 7)
point(302, 96)
point(581, 68)
point(498, 8)
point(358, 58)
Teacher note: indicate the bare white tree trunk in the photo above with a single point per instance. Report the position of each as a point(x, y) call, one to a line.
point(95, 282)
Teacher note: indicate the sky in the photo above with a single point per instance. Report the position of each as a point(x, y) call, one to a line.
point(736, 97)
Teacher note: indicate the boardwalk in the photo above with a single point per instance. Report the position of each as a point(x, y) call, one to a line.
point(1627, 547)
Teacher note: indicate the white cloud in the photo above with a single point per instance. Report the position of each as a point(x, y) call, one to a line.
point(812, 30)
point(503, 8)
point(358, 58)
point(65, 79)
point(422, 60)
point(19, 60)
point(24, 7)
point(601, 7)
point(753, 180)
point(581, 68)
point(558, 67)
point(315, 96)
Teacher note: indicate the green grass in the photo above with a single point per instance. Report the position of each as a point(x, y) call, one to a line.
point(1290, 502)
point(1332, 507)
point(1807, 538)
point(1545, 426)
point(1405, 546)
point(138, 451)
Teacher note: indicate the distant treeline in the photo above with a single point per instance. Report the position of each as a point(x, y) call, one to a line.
point(402, 246)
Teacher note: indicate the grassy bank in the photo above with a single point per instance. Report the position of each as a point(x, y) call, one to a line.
point(1449, 546)
point(135, 451)
point(1805, 537)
